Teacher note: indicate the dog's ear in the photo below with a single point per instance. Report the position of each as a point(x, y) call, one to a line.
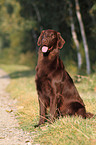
point(60, 41)
point(40, 38)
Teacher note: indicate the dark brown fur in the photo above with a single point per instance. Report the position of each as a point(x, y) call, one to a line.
point(54, 85)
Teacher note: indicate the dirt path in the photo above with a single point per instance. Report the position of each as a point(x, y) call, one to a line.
point(9, 133)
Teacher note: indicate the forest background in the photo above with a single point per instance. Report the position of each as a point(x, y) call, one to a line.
point(21, 22)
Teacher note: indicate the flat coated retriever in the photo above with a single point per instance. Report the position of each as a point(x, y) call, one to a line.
point(54, 85)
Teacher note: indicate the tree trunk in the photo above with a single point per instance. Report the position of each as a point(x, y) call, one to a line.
point(38, 14)
point(74, 35)
point(35, 38)
point(39, 20)
point(83, 36)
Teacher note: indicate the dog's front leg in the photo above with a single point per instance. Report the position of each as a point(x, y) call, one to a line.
point(53, 107)
point(42, 113)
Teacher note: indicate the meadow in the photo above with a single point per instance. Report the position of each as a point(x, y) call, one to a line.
point(64, 131)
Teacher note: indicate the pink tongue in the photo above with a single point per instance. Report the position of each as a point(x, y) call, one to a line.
point(44, 49)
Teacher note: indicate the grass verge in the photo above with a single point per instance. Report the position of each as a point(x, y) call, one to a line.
point(65, 131)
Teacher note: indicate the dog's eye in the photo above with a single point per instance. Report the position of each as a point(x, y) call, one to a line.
point(52, 35)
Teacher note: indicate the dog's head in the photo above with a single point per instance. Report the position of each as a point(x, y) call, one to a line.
point(50, 39)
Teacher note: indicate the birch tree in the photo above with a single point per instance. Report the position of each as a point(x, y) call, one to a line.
point(74, 35)
point(83, 36)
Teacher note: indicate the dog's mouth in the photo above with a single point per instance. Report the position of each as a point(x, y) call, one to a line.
point(46, 49)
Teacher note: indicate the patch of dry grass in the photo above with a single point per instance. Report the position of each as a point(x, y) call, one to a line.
point(67, 130)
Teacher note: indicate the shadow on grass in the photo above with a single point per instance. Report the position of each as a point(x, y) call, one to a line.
point(20, 74)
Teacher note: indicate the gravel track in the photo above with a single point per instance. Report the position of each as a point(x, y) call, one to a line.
point(9, 132)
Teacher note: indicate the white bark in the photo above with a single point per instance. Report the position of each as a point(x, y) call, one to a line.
point(74, 35)
point(83, 36)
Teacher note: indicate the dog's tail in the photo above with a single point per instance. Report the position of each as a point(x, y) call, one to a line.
point(90, 115)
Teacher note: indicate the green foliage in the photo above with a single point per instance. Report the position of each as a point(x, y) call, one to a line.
point(21, 22)
point(12, 56)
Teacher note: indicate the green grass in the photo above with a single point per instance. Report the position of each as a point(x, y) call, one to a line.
point(64, 131)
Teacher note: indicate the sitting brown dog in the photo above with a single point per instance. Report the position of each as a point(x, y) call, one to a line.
point(54, 85)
